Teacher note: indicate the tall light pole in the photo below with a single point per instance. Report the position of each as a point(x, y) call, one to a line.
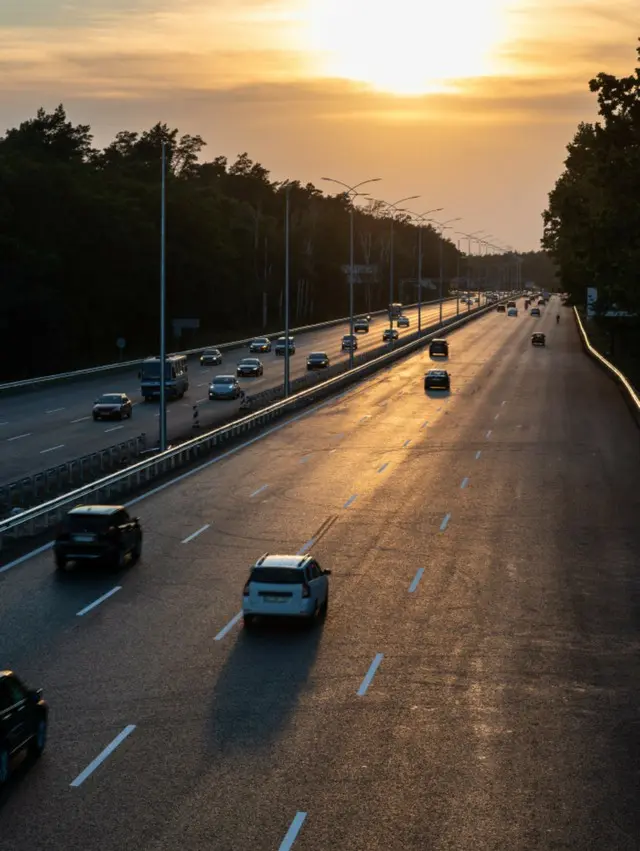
point(352, 194)
point(443, 226)
point(469, 237)
point(163, 344)
point(422, 217)
point(287, 365)
point(394, 207)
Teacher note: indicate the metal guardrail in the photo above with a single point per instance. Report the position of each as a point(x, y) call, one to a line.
point(32, 490)
point(631, 397)
point(37, 520)
point(28, 383)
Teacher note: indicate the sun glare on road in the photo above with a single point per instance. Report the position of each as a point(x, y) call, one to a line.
point(406, 47)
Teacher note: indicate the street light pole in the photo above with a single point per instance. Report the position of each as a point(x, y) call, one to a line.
point(287, 387)
point(420, 278)
point(352, 194)
point(393, 207)
point(163, 344)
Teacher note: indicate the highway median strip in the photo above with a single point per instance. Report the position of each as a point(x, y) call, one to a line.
point(97, 762)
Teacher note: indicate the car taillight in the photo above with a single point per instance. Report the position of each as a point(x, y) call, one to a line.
point(246, 589)
point(306, 591)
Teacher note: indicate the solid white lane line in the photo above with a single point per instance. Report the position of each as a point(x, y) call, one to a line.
point(255, 493)
point(292, 833)
point(305, 547)
point(488, 434)
point(351, 500)
point(80, 420)
point(478, 454)
point(370, 674)
point(52, 448)
point(54, 410)
point(195, 534)
point(234, 620)
point(416, 580)
point(98, 601)
point(102, 756)
point(445, 522)
point(465, 482)
point(113, 428)
point(19, 436)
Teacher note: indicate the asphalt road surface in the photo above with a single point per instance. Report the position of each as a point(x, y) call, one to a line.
point(475, 685)
point(49, 427)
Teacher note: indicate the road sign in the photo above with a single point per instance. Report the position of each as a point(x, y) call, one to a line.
point(362, 273)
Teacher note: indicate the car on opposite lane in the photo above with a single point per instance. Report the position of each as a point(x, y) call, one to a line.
point(318, 360)
point(513, 311)
point(349, 343)
point(24, 717)
point(98, 533)
point(439, 348)
point(361, 326)
point(285, 586)
point(260, 344)
point(403, 321)
point(535, 311)
point(224, 387)
point(112, 406)
point(249, 367)
point(281, 346)
point(390, 334)
point(437, 379)
point(211, 357)
point(538, 339)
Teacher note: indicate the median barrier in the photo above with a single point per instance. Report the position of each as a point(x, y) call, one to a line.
point(33, 490)
point(23, 385)
point(628, 391)
point(37, 520)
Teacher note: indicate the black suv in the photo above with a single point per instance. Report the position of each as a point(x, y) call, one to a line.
point(501, 309)
point(439, 347)
point(318, 360)
point(23, 722)
point(538, 339)
point(104, 533)
point(437, 379)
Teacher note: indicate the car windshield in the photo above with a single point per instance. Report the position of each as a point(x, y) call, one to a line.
point(277, 575)
point(249, 362)
point(213, 352)
point(92, 523)
point(317, 356)
point(223, 379)
point(261, 341)
point(110, 399)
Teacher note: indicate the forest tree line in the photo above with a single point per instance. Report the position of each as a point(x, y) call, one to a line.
point(80, 247)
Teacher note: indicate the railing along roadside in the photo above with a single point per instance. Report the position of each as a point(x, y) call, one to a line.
point(631, 397)
point(38, 519)
point(121, 366)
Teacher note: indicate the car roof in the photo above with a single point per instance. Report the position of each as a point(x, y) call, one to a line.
point(224, 378)
point(437, 372)
point(252, 360)
point(440, 340)
point(291, 562)
point(99, 510)
point(209, 349)
point(318, 355)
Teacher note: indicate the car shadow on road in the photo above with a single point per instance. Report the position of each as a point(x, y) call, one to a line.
point(260, 684)
point(437, 394)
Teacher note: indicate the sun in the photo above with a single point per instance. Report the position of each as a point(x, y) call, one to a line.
point(406, 47)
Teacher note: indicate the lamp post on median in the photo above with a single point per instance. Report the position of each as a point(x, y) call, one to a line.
point(443, 226)
point(352, 194)
point(287, 216)
point(162, 442)
point(422, 217)
point(395, 208)
point(469, 237)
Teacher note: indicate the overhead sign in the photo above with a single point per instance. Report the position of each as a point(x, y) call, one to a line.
point(362, 273)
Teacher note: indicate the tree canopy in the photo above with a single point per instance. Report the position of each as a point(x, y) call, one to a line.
point(592, 224)
point(80, 246)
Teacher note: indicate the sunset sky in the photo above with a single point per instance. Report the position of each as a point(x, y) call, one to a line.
point(467, 103)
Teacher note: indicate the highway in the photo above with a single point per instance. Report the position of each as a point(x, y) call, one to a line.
point(474, 685)
point(53, 425)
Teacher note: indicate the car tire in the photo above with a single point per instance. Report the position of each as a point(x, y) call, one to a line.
point(5, 770)
point(248, 621)
point(118, 560)
point(39, 741)
point(130, 413)
point(61, 564)
point(324, 609)
point(95, 418)
point(136, 552)
point(120, 415)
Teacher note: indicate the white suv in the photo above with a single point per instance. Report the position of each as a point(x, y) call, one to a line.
point(285, 586)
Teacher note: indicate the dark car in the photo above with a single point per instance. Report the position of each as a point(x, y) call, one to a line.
point(249, 367)
point(501, 308)
point(211, 357)
point(103, 533)
point(535, 311)
point(511, 304)
point(318, 360)
point(361, 326)
point(23, 722)
point(224, 387)
point(112, 406)
point(538, 340)
point(439, 348)
point(389, 334)
point(541, 302)
point(349, 343)
point(260, 344)
point(437, 379)
point(281, 346)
